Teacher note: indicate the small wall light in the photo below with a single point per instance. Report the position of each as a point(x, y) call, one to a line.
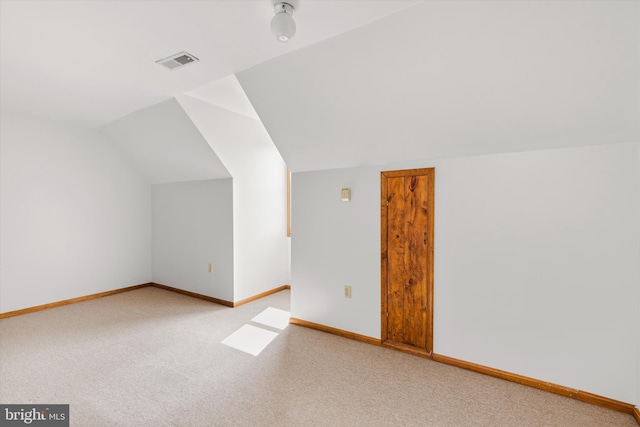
point(345, 195)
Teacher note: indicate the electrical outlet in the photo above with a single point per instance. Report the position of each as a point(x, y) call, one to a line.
point(210, 268)
point(347, 291)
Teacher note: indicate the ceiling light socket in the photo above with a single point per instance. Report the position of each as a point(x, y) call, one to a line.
point(282, 24)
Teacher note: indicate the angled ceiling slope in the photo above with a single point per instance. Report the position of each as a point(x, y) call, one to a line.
point(91, 62)
point(165, 145)
point(456, 78)
point(228, 94)
point(241, 143)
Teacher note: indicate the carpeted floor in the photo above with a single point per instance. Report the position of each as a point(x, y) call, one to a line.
point(151, 357)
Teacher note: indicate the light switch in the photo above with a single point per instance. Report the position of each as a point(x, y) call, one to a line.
point(346, 194)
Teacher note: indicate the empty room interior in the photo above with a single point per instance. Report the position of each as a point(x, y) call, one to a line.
point(408, 212)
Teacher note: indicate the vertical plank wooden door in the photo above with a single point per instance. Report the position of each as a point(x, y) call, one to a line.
point(407, 259)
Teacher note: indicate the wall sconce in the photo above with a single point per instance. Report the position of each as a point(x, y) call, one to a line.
point(345, 195)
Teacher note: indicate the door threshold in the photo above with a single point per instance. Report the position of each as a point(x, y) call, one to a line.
point(409, 349)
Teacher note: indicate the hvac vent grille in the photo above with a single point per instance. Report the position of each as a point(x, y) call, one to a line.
point(178, 60)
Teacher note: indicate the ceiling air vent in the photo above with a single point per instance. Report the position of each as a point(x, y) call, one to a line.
point(178, 60)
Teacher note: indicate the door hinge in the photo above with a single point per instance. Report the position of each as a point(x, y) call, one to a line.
point(387, 314)
point(387, 202)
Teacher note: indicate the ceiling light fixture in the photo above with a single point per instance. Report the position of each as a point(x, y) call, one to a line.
point(283, 25)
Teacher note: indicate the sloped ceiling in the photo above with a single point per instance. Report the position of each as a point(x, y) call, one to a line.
point(228, 94)
point(165, 145)
point(363, 82)
point(91, 62)
point(223, 114)
point(456, 78)
point(241, 142)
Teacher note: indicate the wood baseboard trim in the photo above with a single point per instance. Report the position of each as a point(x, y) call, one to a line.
point(71, 301)
point(564, 391)
point(262, 295)
point(193, 294)
point(583, 396)
point(221, 301)
point(132, 288)
point(605, 402)
point(335, 331)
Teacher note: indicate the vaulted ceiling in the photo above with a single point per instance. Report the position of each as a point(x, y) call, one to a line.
point(362, 82)
point(92, 62)
point(456, 78)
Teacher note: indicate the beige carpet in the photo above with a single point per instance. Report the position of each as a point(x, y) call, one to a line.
point(153, 358)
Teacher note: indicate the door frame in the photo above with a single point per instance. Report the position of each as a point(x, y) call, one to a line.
point(430, 173)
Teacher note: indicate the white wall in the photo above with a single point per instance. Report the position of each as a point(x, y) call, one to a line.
point(335, 243)
point(75, 218)
point(193, 227)
point(537, 265)
point(536, 261)
point(260, 252)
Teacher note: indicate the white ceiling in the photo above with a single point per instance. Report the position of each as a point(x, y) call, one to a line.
point(456, 78)
point(165, 146)
point(228, 94)
point(362, 82)
point(92, 62)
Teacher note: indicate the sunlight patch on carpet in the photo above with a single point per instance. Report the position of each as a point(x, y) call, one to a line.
point(250, 339)
point(273, 317)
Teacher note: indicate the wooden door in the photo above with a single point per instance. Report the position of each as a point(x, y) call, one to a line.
point(407, 259)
